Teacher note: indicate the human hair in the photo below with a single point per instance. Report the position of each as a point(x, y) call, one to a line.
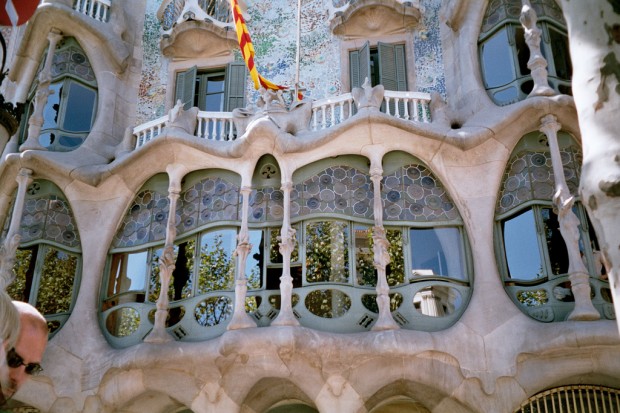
point(9, 320)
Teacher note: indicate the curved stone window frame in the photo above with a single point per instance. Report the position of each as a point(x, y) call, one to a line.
point(528, 184)
point(50, 244)
point(515, 53)
point(74, 90)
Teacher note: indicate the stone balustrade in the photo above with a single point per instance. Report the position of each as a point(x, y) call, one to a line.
point(326, 113)
point(431, 304)
point(97, 9)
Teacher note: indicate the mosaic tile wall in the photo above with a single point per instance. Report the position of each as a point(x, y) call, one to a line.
point(272, 25)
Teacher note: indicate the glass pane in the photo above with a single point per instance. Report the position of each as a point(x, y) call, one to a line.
point(213, 311)
point(52, 107)
point(497, 63)
point(56, 283)
point(215, 84)
point(123, 322)
point(437, 251)
point(521, 247)
point(256, 259)
point(327, 251)
point(182, 277)
point(437, 300)
point(70, 141)
point(78, 114)
point(127, 272)
point(364, 256)
point(395, 270)
point(217, 264)
point(506, 96)
point(23, 269)
point(214, 103)
point(47, 139)
point(328, 303)
point(274, 247)
point(561, 55)
point(558, 255)
point(523, 51)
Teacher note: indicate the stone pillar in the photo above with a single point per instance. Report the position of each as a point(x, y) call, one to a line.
point(537, 63)
point(287, 245)
point(380, 250)
point(563, 201)
point(43, 91)
point(241, 319)
point(167, 261)
point(11, 242)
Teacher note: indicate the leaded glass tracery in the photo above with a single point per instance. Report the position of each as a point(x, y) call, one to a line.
point(339, 189)
point(529, 176)
point(413, 193)
point(47, 263)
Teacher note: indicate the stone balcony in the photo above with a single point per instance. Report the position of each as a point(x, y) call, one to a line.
point(314, 116)
point(354, 19)
point(196, 28)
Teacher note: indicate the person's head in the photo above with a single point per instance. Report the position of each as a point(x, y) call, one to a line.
point(9, 331)
point(24, 358)
point(9, 321)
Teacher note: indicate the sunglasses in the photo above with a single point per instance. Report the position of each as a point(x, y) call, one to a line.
point(14, 361)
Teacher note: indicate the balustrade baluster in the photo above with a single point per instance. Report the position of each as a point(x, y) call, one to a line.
point(406, 115)
point(324, 123)
point(214, 129)
point(231, 135)
point(314, 119)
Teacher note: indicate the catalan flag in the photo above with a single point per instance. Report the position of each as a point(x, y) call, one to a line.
point(247, 49)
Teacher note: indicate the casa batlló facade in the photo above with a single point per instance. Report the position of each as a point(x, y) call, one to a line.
point(406, 237)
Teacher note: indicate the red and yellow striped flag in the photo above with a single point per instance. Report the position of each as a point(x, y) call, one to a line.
point(247, 49)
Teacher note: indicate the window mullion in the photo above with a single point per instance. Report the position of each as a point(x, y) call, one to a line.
point(36, 277)
point(542, 241)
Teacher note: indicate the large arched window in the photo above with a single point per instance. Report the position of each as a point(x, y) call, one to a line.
point(48, 261)
point(531, 251)
point(504, 53)
point(71, 108)
point(203, 280)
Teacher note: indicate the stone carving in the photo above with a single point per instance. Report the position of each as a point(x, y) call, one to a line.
point(11, 242)
point(292, 119)
point(368, 96)
point(240, 319)
point(167, 261)
point(287, 245)
point(43, 91)
point(569, 223)
point(537, 63)
point(181, 119)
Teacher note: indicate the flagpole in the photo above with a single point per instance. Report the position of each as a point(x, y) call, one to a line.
point(298, 54)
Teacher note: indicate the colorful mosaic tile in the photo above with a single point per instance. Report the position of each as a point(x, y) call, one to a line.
point(273, 27)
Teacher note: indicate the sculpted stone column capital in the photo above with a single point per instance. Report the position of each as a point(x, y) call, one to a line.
point(549, 124)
